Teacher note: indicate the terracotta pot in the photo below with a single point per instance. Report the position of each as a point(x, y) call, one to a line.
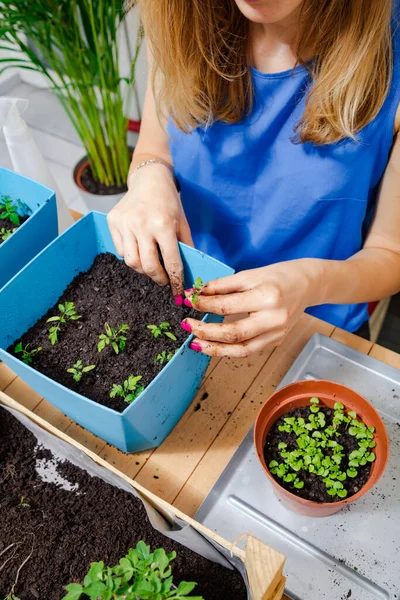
point(103, 203)
point(299, 394)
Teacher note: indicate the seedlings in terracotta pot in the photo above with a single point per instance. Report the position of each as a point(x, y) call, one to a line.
point(140, 575)
point(26, 355)
point(113, 337)
point(67, 313)
point(130, 390)
point(162, 328)
point(6, 233)
point(9, 210)
point(164, 357)
point(78, 370)
point(319, 453)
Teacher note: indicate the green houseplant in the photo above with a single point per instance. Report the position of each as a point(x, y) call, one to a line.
point(74, 44)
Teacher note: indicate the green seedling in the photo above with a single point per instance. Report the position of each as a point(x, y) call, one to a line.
point(67, 313)
point(130, 390)
point(26, 355)
point(9, 210)
point(319, 453)
point(78, 370)
point(198, 284)
point(113, 337)
point(140, 575)
point(162, 328)
point(164, 357)
point(6, 233)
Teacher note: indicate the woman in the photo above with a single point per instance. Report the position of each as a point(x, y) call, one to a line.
point(279, 121)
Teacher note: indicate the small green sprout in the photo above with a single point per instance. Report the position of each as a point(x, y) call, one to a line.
point(140, 575)
point(23, 503)
point(160, 329)
point(130, 390)
point(198, 284)
point(67, 313)
point(9, 210)
point(164, 357)
point(78, 370)
point(113, 337)
point(26, 355)
point(6, 233)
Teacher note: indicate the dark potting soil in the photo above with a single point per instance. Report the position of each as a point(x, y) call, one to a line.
point(108, 292)
point(314, 488)
point(62, 531)
point(92, 186)
point(6, 224)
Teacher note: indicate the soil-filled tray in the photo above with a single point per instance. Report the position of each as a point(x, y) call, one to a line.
point(55, 519)
point(109, 292)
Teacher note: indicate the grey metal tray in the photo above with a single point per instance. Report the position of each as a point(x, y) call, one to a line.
point(352, 554)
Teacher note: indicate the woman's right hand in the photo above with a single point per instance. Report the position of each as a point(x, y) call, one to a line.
point(149, 219)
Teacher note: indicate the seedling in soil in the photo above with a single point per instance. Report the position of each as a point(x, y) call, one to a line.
point(26, 355)
point(23, 503)
point(67, 313)
point(140, 575)
point(113, 337)
point(6, 233)
point(164, 357)
point(162, 328)
point(130, 390)
point(9, 210)
point(78, 370)
point(318, 450)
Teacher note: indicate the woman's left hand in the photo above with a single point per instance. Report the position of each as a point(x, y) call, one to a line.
point(274, 298)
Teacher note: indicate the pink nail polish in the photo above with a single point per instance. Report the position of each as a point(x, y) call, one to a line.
point(187, 302)
point(186, 326)
point(195, 346)
point(190, 290)
point(179, 300)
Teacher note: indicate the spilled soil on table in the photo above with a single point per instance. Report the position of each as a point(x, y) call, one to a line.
point(59, 533)
point(109, 292)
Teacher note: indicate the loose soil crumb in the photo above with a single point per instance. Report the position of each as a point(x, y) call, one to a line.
point(314, 488)
point(108, 292)
point(66, 530)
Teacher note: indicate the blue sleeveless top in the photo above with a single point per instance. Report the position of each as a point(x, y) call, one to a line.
point(253, 196)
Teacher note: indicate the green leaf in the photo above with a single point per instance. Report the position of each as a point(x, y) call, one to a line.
point(14, 218)
point(52, 319)
point(352, 472)
point(115, 347)
point(74, 590)
point(338, 406)
point(352, 414)
point(170, 335)
point(342, 493)
point(88, 368)
point(95, 589)
point(282, 445)
point(370, 457)
point(272, 464)
point(314, 400)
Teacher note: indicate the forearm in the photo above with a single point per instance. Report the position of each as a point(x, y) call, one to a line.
point(371, 274)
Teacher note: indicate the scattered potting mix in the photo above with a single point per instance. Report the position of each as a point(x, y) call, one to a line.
point(109, 334)
point(320, 454)
point(50, 533)
point(10, 216)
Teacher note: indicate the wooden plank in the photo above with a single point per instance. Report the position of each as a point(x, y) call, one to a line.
point(52, 415)
point(23, 393)
point(170, 465)
point(210, 467)
point(85, 438)
point(162, 506)
point(264, 568)
point(6, 376)
point(385, 355)
point(351, 340)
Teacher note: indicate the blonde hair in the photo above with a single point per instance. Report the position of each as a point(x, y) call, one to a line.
point(201, 62)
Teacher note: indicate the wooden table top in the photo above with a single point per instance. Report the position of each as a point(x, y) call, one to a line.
point(184, 468)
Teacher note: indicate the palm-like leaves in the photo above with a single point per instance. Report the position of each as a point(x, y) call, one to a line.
point(76, 44)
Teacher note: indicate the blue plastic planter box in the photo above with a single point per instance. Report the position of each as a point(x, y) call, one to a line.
point(148, 420)
point(32, 236)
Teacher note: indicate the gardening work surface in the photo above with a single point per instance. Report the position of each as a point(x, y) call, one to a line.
point(185, 467)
